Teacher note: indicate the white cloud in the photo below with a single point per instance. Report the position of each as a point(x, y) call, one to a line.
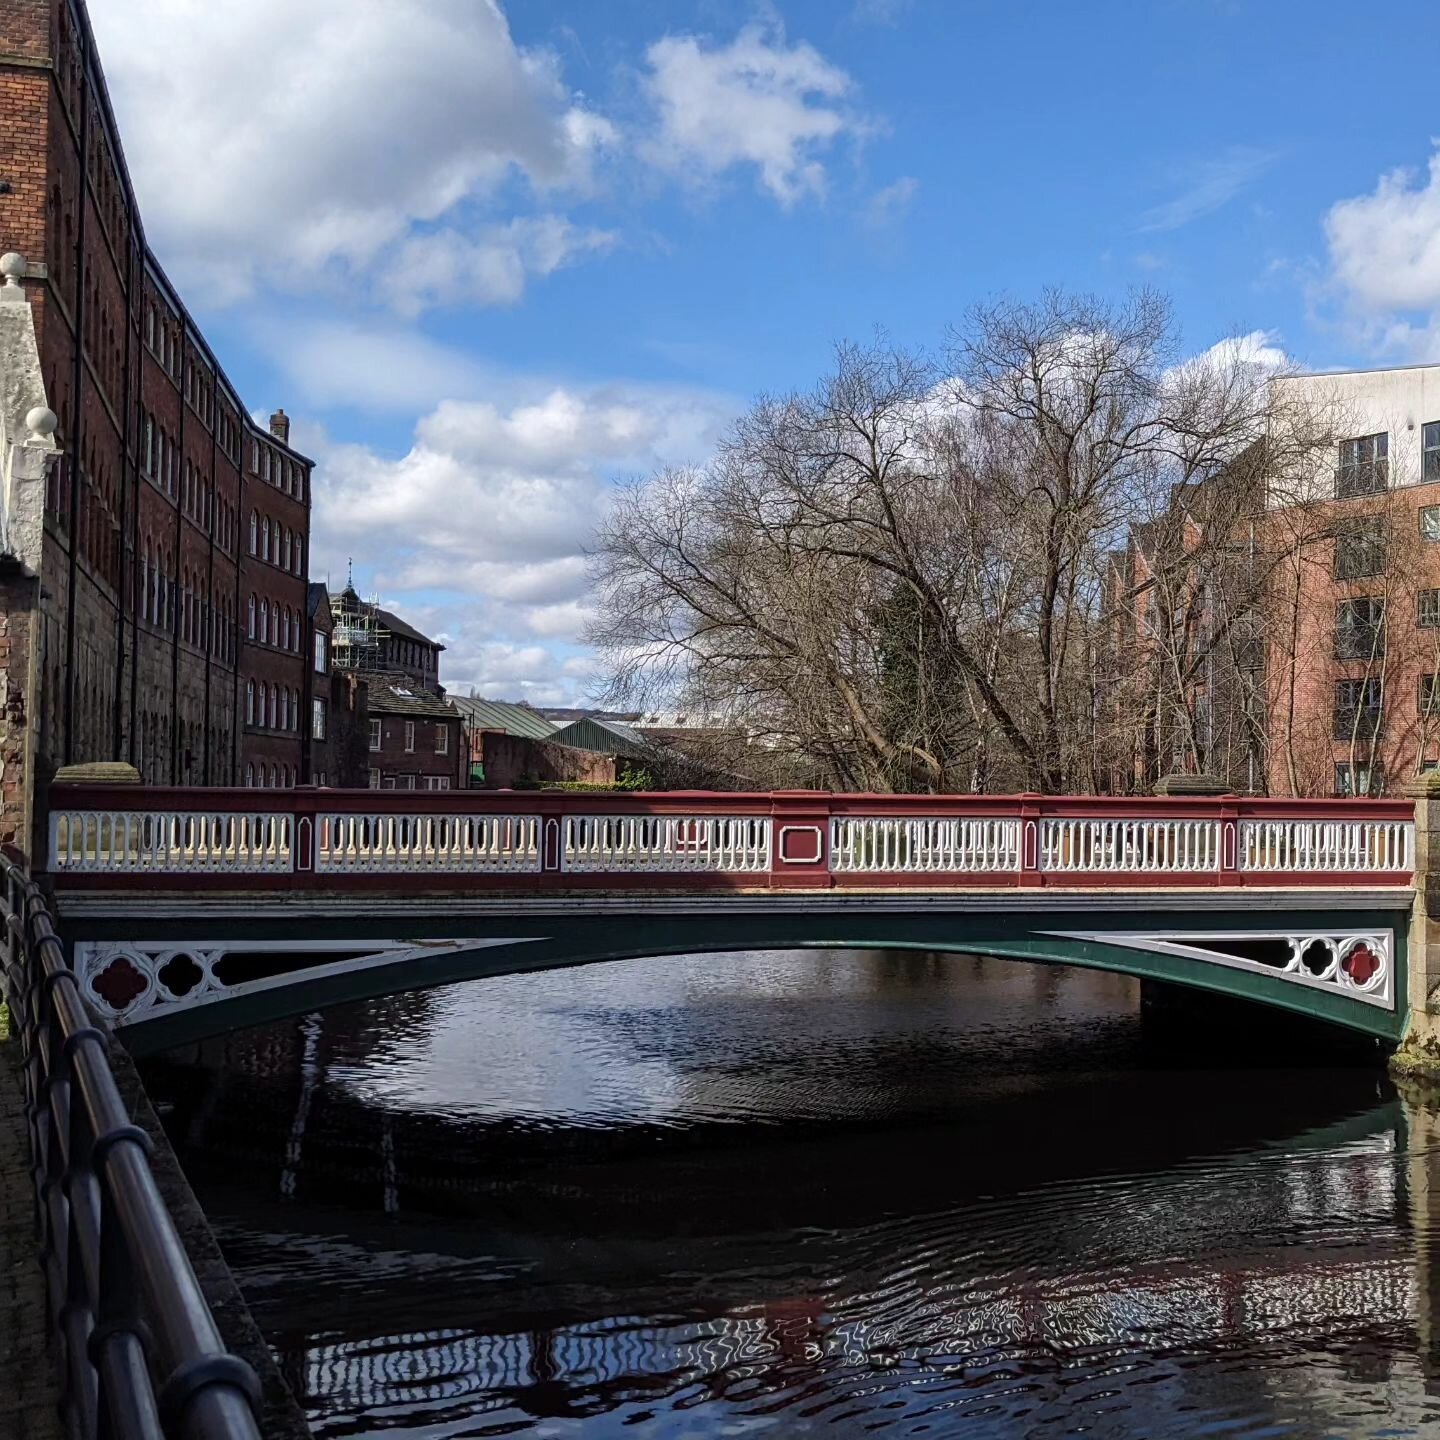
point(478, 531)
point(490, 266)
point(889, 206)
point(754, 102)
point(274, 144)
point(1207, 185)
point(1260, 348)
point(1385, 246)
point(386, 368)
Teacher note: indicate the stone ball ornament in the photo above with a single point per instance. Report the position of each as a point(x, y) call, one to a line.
point(41, 421)
point(12, 267)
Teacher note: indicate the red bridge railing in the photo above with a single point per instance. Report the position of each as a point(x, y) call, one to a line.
point(125, 837)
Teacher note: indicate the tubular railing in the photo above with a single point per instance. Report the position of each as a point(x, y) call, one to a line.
point(109, 837)
point(140, 1354)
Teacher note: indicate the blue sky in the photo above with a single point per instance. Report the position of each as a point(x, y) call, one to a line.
point(492, 258)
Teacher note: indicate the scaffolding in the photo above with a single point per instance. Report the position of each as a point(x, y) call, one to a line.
point(355, 642)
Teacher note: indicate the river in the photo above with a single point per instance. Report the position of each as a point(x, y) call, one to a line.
point(825, 1193)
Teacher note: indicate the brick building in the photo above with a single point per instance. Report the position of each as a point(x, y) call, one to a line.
point(337, 704)
point(1298, 594)
point(370, 638)
point(172, 532)
point(415, 736)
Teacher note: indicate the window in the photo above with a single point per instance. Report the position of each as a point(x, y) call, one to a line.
point(409, 737)
point(374, 779)
point(1430, 523)
point(285, 550)
point(374, 734)
point(265, 539)
point(1360, 547)
point(274, 707)
point(387, 782)
point(1360, 629)
point(321, 652)
point(1363, 780)
point(265, 464)
point(250, 619)
point(437, 782)
point(254, 533)
point(1357, 709)
point(1364, 465)
point(1427, 701)
point(407, 782)
point(250, 775)
point(442, 739)
point(1430, 451)
point(254, 457)
point(249, 704)
point(317, 720)
point(1427, 609)
point(264, 620)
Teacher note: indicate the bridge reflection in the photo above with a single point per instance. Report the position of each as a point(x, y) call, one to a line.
point(1250, 1240)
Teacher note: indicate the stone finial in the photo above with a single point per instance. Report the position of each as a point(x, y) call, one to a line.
point(1423, 787)
point(12, 267)
point(280, 427)
point(41, 422)
point(98, 772)
point(1191, 785)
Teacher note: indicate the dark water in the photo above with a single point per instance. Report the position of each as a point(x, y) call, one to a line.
point(815, 1194)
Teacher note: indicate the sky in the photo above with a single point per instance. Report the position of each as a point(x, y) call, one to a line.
point(493, 258)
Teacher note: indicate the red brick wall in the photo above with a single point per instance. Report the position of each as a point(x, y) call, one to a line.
point(117, 680)
point(392, 759)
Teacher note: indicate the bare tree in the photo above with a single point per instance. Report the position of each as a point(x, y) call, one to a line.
point(904, 578)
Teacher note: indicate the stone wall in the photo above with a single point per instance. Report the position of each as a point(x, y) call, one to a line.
point(513, 761)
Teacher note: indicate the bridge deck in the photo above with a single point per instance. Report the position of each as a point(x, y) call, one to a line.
point(28, 1397)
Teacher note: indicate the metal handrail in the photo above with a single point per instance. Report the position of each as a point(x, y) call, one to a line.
point(140, 1354)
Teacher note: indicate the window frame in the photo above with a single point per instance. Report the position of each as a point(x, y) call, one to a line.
point(1365, 539)
point(377, 737)
point(409, 737)
point(1429, 450)
point(1358, 472)
point(1355, 649)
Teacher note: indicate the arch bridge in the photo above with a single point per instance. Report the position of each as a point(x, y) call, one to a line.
point(192, 912)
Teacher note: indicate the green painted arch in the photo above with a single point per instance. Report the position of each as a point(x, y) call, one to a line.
point(553, 943)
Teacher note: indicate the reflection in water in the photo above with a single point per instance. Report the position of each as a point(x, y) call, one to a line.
point(797, 1194)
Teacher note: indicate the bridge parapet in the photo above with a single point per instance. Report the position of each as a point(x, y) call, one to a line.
point(104, 837)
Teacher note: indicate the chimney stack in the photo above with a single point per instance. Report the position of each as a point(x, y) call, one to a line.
point(280, 427)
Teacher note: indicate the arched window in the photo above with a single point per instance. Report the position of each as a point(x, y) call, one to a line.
point(285, 550)
point(299, 552)
point(274, 777)
point(264, 621)
point(285, 629)
point(249, 704)
point(250, 774)
point(295, 710)
point(274, 707)
point(254, 530)
point(265, 538)
point(284, 708)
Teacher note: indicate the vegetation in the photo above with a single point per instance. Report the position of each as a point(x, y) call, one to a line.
point(1010, 566)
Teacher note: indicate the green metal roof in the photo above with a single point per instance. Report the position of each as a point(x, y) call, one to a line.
point(502, 715)
point(605, 737)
